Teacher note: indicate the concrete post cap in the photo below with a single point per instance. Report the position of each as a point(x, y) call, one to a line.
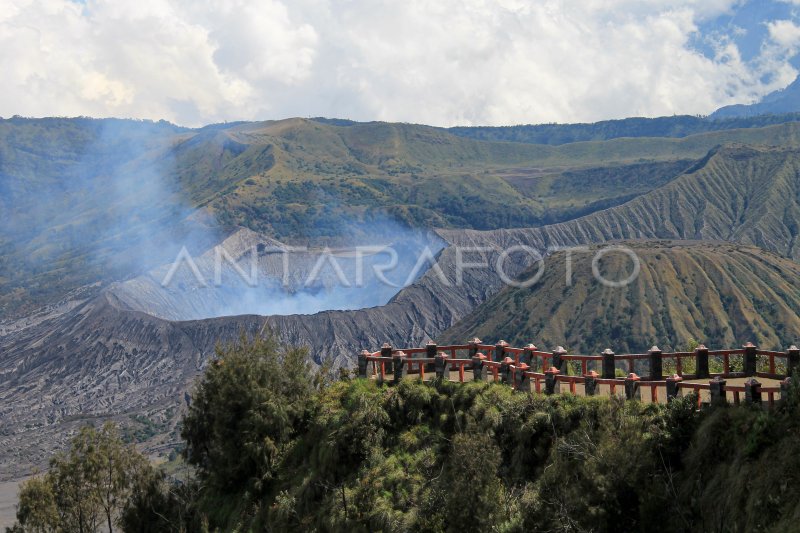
point(700, 347)
point(675, 377)
point(386, 345)
point(559, 350)
point(508, 360)
point(655, 348)
point(479, 356)
point(752, 382)
point(502, 343)
point(749, 345)
point(633, 377)
point(591, 374)
point(523, 367)
point(793, 348)
point(608, 351)
point(552, 370)
point(400, 354)
point(475, 340)
point(530, 346)
point(365, 352)
point(718, 379)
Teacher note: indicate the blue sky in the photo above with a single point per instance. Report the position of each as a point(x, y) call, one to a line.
point(746, 25)
point(449, 62)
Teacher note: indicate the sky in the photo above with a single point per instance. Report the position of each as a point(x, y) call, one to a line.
point(438, 62)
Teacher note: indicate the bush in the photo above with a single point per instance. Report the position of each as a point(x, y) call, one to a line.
point(248, 407)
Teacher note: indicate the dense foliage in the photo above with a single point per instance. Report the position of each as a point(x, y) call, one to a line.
point(88, 488)
point(249, 406)
point(355, 456)
point(277, 447)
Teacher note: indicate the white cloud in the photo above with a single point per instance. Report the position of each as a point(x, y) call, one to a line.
point(445, 62)
point(785, 33)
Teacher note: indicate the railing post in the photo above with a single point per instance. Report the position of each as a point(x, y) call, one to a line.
point(557, 362)
point(792, 359)
point(590, 383)
point(527, 354)
point(609, 366)
point(499, 351)
point(673, 382)
point(431, 350)
point(430, 353)
point(523, 380)
point(701, 361)
point(477, 367)
point(717, 390)
point(386, 351)
point(362, 363)
point(656, 364)
point(752, 391)
point(440, 365)
point(505, 370)
point(632, 386)
point(400, 368)
point(749, 359)
point(551, 384)
point(473, 347)
point(786, 384)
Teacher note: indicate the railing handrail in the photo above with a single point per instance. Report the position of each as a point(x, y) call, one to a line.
point(588, 357)
point(519, 367)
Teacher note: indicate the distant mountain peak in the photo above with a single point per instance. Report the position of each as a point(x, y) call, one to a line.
point(786, 100)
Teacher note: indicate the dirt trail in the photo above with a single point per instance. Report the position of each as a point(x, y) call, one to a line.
point(8, 502)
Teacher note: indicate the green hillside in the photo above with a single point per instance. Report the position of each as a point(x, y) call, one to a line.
point(325, 177)
point(97, 200)
point(718, 294)
point(737, 193)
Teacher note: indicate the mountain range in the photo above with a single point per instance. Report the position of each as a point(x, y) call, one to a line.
point(686, 290)
point(785, 100)
point(96, 211)
point(91, 201)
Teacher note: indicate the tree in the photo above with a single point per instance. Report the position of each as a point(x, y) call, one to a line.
point(117, 471)
point(248, 405)
point(471, 483)
point(157, 504)
point(86, 486)
point(74, 477)
point(36, 511)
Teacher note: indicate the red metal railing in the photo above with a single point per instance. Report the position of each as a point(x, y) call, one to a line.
point(501, 362)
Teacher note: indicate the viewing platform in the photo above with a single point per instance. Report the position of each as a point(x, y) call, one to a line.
point(746, 374)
